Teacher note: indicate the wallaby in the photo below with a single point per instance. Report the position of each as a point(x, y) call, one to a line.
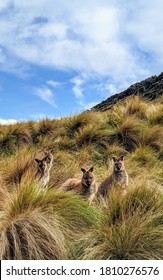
point(43, 172)
point(84, 186)
point(118, 178)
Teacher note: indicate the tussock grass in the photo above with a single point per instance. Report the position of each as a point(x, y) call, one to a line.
point(21, 133)
point(32, 236)
point(155, 114)
point(77, 122)
point(46, 127)
point(152, 136)
point(34, 224)
point(126, 132)
point(8, 144)
point(16, 136)
point(53, 224)
point(136, 106)
point(144, 155)
point(131, 229)
point(16, 167)
point(89, 135)
point(64, 143)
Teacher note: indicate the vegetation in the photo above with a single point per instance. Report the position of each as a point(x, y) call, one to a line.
point(57, 225)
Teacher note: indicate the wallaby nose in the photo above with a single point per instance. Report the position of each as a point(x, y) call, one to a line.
point(88, 182)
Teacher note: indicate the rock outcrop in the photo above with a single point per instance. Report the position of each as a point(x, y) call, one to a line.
point(150, 88)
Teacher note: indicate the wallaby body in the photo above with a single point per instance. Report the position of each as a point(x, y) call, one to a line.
point(43, 169)
point(84, 186)
point(118, 178)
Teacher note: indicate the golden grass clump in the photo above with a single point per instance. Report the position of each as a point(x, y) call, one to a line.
point(17, 166)
point(86, 135)
point(32, 236)
point(126, 132)
point(53, 224)
point(144, 155)
point(41, 225)
point(131, 229)
point(156, 114)
point(75, 123)
point(8, 144)
point(14, 137)
point(152, 136)
point(21, 133)
point(136, 106)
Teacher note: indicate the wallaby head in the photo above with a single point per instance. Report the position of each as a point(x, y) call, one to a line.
point(44, 165)
point(49, 159)
point(118, 163)
point(88, 177)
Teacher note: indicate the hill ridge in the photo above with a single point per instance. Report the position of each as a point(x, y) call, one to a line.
point(150, 88)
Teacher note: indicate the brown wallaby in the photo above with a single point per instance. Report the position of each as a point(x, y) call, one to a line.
point(118, 178)
point(43, 169)
point(84, 186)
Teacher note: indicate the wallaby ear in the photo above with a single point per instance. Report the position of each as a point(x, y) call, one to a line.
point(37, 160)
point(114, 159)
point(47, 159)
point(83, 170)
point(121, 158)
point(48, 152)
point(91, 169)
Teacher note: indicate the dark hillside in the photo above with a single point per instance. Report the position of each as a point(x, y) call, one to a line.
point(150, 88)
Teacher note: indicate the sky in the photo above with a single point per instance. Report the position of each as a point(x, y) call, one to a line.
point(61, 57)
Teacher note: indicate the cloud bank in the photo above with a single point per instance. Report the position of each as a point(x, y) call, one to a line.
point(8, 121)
point(119, 40)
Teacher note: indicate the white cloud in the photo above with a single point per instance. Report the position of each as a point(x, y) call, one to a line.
point(89, 105)
point(77, 88)
point(110, 87)
point(116, 39)
point(40, 116)
point(45, 94)
point(4, 4)
point(53, 84)
point(8, 121)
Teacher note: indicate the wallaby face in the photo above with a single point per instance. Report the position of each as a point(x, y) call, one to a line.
point(88, 177)
point(118, 163)
point(44, 165)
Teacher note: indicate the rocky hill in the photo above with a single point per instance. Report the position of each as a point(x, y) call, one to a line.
point(150, 88)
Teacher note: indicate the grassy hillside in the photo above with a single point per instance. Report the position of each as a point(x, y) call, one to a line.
point(57, 225)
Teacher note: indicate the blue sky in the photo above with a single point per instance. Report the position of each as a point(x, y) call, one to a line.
point(60, 57)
